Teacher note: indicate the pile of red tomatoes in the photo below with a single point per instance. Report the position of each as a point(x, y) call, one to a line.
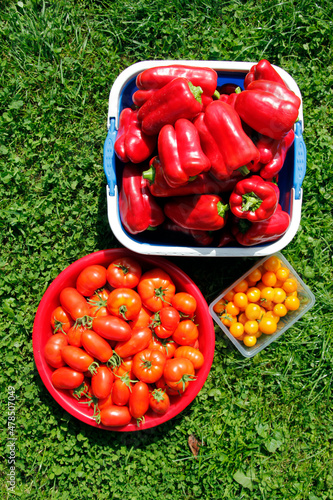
point(124, 341)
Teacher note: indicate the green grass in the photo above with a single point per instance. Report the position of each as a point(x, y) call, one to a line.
point(266, 423)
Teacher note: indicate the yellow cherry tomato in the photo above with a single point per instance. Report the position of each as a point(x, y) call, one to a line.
point(279, 295)
point(266, 294)
point(267, 325)
point(290, 285)
point(273, 316)
point(232, 309)
point(236, 329)
point(292, 303)
point(228, 320)
point(229, 296)
point(220, 306)
point(252, 311)
point(269, 278)
point(280, 310)
point(254, 276)
point(242, 318)
point(242, 286)
point(250, 340)
point(251, 327)
point(240, 300)
point(273, 263)
point(253, 294)
point(282, 274)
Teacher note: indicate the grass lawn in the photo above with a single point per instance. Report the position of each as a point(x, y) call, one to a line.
point(265, 423)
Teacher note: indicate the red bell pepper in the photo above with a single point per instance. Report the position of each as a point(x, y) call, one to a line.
point(200, 237)
point(180, 152)
point(177, 99)
point(253, 199)
point(159, 76)
point(141, 96)
point(131, 143)
point(256, 233)
point(224, 141)
point(262, 71)
point(267, 148)
point(272, 168)
point(204, 183)
point(267, 114)
point(199, 212)
point(279, 90)
point(138, 208)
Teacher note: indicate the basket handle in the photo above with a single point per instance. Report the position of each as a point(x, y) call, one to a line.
point(109, 163)
point(300, 160)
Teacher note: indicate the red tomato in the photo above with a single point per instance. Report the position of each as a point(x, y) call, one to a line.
point(165, 346)
point(165, 322)
point(96, 346)
point(112, 328)
point(74, 335)
point(124, 303)
point(186, 332)
point(125, 367)
point(124, 272)
point(77, 358)
point(156, 289)
point(115, 416)
point(66, 378)
point(141, 320)
point(81, 392)
point(60, 320)
point(98, 303)
point(178, 373)
point(148, 365)
point(159, 401)
point(138, 341)
point(91, 279)
point(185, 303)
point(52, 350)
point(105, 402)
point(192, 354)
point(161, 384)
point(74, 303)
point(121, 390)
point(101, 382)
point(139, 401)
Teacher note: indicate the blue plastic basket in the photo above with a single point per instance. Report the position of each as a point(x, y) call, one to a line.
point(154, 243)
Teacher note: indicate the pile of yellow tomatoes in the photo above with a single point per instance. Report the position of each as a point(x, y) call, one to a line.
point(256, 304)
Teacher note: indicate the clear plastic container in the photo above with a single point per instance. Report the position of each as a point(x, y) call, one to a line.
point(307, 300)
point(161, 243)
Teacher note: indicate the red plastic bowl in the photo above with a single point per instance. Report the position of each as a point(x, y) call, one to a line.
point(42, 330)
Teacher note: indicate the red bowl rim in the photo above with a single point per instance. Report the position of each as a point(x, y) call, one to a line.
point(43, 314)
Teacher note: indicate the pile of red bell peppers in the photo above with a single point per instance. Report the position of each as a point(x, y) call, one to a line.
point(203, 161)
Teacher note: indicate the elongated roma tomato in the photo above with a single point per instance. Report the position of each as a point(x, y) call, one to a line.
point(139, 401)
point(159, 401)
point(74, 303)
point(142, 319)
point(124, 272)
point(138, 341)
point(156, 289)
point(74, 335)
point(101, 382)
point(112, 328)
point(96, 346)
point(77, 358)
point(192, 354)
point(121, 390)
point(91, 279)
point(52, 350)
point(66, 378)
point(115, 416)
